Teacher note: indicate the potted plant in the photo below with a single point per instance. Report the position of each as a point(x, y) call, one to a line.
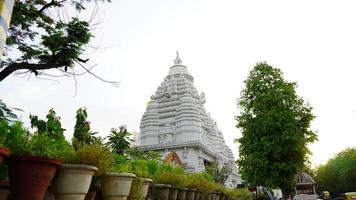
point(117, 183)
point(174, 176)
point(142, 183)
point(75, 177)
point(12, 135)
point(202, 182)
point(32, 170)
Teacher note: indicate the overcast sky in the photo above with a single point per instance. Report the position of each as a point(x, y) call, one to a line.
point(312, 42)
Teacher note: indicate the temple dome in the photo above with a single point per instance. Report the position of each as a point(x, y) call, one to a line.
point(178, 69)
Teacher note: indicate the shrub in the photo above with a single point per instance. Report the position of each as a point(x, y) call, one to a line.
point(239, 194)
point(200, 181)
point(13, 135)
point(94, 154)
point(168, 174)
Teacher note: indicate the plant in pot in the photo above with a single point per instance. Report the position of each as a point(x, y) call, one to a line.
point(116, 184)
point(202, 182)
point(7, 125)
point(33, 165)
point(12, 135)
point(173, 176)
point(142, 183)
point(74, 178)
point(32, 170)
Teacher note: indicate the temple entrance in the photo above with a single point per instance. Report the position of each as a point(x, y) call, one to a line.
point(173, 158)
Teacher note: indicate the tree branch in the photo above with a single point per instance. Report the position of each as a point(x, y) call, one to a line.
point(52, 3)
point(24, 65)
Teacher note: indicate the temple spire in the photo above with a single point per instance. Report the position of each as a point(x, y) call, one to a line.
point(177, 61)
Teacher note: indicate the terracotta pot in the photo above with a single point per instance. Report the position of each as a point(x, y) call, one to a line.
point(4, 190)
point(73, 181)
point(190, 194)
point(30, 176)
point(142, 191)
point(116, 186)
point(173, 193)
point(160, 191)
point(182, 192)
point(4, 153)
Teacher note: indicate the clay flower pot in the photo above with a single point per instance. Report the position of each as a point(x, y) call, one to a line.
point(116, 186)
point(4, 190)
point(161, 191)
point(182, 192)
point(143, 190)
point(73, 181)
point(173, 193)
point(4, 153)
point(190, 194)
point(30, 176)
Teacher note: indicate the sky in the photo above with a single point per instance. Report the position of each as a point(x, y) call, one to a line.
point(312, 41)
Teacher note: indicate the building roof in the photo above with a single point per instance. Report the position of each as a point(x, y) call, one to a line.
point(304, 178)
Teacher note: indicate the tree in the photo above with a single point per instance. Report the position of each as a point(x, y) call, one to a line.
point(338, 175)
point(275, 123)
point(47, 34)
point(52, 126)
point(82, 134)
point(219, 174)
point(6, 113)
point(119, 140)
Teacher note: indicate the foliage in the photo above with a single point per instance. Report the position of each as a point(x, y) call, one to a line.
point(137, 154)
point(6, 113)
point(338, 175)
point(13, 135)
point(46, 34)
point(239, 194)
point(82, 134)
point(119, 140)
point(275, 123)
point(45, 146)
point(95, 154)
point(169, 174)
point(52, 126)
point(201, 181)
point(219, 174)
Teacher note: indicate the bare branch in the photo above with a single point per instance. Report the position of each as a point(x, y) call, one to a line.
point(114, 83)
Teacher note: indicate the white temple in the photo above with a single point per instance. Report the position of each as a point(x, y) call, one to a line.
point(177, 125)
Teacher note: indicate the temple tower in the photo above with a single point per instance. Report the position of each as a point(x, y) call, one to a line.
point(177, 125)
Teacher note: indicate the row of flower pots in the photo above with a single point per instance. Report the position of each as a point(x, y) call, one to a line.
point(167, 192)
point(30, 177)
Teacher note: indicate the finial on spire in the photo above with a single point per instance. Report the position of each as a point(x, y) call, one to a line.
point(177, 61)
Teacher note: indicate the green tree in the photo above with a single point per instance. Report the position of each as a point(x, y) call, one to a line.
point(52, 126)
point(82, 134)
point(6, 113)
point(219, 174)
point(47, 34)
point(119, 140)
point(274, 122)
point(338, 175)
